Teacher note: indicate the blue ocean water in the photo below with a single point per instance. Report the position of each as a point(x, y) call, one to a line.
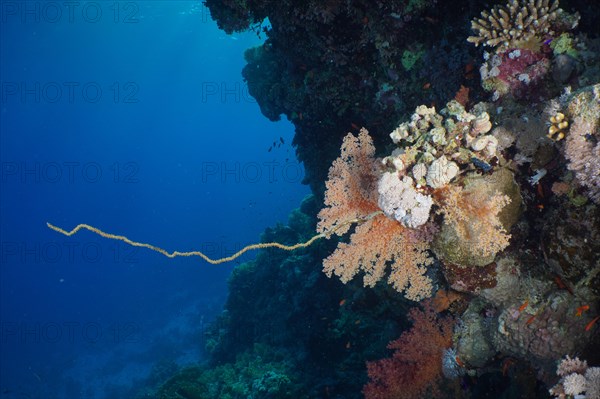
point(132, 117)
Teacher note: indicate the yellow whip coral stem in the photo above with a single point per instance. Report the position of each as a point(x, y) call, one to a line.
point(202, 255)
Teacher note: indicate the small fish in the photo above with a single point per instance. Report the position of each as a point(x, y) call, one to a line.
point(548, 41)
point(432, 21)
point(562, 285)
point(459, 362)
point(591, 139)
point(281, 139)
point(540, 191)
point(582, 309)
point(523, 306)
point(348, 345)
point(486, 167)
point(507, 364)
point(36, 375)
point(342, 302)
point(427, 86)
point(270, 148)
point(354, 126)
point(591, 323)
point(530, 320)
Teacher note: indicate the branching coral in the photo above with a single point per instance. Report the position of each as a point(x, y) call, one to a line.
point(519, 24)
point(556, 131)
point(442, 160)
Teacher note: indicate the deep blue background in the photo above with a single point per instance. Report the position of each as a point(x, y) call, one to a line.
point(171, 150)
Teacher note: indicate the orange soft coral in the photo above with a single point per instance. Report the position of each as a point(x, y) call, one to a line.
point(474, 215)
point(351, 190)
point(352, 194)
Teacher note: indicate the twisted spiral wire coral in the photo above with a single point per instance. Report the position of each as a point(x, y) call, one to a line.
point(201, 254)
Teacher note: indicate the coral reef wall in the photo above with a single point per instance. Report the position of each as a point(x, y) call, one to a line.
point(334, 66)
point(476, 184)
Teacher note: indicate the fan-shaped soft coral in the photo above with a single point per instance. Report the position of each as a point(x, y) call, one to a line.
point(372, 246)
point(378, 241)
point(352, 184)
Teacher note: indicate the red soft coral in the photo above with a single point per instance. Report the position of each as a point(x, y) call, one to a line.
point(415, 368)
